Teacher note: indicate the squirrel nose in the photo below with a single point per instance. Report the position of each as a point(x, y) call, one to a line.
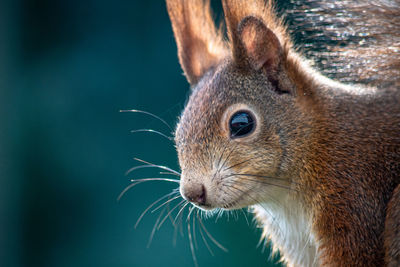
point(195, 194)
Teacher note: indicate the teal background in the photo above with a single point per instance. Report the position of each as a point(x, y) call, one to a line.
point(67, 68)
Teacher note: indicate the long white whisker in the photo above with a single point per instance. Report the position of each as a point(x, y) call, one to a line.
point(191, 241)
point(166, 202)
point(147, 166)
point(243, 192)
point(253, 178)
point(152, 131)
point(255, 200)
point(179, 215)
point(170, 173)
point(194, 233)
point(152, 204)
point(156, 179)
point(155, 227)
point(202, 236)
point(211, 237)
point(190, 212)
point(175, 236)
point(244, 214)
point(179, 212)
point(169, 213)
point(235, 215)
point(150, 114)
point(139, 181)
point(159, 166)
point(152, 166)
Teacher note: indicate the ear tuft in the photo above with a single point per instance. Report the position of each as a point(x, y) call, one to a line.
point(200, 44)
point(261, 46)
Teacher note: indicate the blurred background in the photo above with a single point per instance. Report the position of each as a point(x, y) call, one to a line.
point(67, 68)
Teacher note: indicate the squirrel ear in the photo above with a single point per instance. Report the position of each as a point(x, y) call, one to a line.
point(260, 45)
point(200, 45)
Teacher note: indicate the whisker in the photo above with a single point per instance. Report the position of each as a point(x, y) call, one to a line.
point(235, 215)
point(221, 156)
point(150, 114)
point(246, 192)
point(148, 166)
point(256, 201)
point(179, 215)
point(219, 165)
point(170, 138)
point(175, 236)
point(194, 233)
point(152, 204)
point(261, 182)
point(155, 179)
point(289, 181)
point(227, 214)
point(169, 173)
point(139, 181)
point(180, 223)
point(258, 190)
point(219, 215)
point(166, 202)
point(202, 236)
point(296, 184)
point(158, 166)
point(260, 242)
point(263, 176)
point(265, 246)
point(171, 219)
point(179, 212)
point(190, 212)
point(227, 158)
point(244, 214)
point(211, 237)
point(169, 213)
point(263, 242)
point(154, 227)
point(191, 241)
point(240, 163)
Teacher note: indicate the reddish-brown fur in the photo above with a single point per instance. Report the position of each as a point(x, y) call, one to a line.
point(338, 146)
point(392, 230)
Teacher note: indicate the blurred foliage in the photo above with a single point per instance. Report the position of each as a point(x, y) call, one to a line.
point(67, 69)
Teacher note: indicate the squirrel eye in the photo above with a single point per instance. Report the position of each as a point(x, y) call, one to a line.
point(241, 124)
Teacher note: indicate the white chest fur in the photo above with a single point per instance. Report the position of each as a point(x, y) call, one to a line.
point(285, 225)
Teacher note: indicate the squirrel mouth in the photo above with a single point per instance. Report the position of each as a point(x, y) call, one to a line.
point(203, 206)
point(237, 201)
point(233, 205)
point(230, 205)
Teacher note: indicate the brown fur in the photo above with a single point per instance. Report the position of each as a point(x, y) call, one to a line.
point(392, 230)
point(336, 147)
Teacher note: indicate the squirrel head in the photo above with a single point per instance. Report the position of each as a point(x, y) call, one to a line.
point(237, 136)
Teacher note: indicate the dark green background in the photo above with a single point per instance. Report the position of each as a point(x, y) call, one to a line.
point(67, 68)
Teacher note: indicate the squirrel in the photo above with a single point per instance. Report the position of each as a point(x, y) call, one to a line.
point(316, 159)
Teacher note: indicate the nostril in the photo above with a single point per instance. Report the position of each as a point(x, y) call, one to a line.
point(196, 195)
point(202, 197)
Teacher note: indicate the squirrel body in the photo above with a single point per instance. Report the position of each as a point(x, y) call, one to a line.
point(317, 160)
